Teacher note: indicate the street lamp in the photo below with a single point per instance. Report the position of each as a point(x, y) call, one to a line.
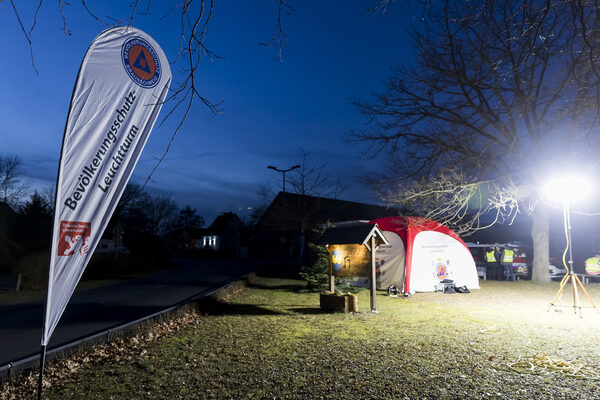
point(283, 171)
point(569, 189)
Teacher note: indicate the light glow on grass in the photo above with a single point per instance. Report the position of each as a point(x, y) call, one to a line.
point(272, 341)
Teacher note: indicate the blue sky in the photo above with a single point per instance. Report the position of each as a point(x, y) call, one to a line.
point(271, 109)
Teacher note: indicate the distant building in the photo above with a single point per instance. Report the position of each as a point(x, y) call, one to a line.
point(223, 236)
point(286, 225)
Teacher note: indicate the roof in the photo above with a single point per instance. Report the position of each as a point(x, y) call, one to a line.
point(297, 209)
point(408, 227)
point(221, 223)
point(353, 234)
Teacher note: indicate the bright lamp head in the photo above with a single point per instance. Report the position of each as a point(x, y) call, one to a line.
point(568, 188)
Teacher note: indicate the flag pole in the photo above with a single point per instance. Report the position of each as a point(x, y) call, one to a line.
point(41, 378)
point(44, 318)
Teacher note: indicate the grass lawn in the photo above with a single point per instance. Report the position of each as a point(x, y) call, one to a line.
point(272, 342)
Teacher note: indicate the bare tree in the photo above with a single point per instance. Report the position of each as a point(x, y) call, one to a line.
point(132, 197)
point(194, 21)
point(315, 180)
point(12, 185)
point(499, 94)
point(48, 196)
point(161, 212)
point(37, 206)
point(188, 218)
point(460, 202)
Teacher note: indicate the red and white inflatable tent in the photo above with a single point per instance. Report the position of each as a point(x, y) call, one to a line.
point(421, 253)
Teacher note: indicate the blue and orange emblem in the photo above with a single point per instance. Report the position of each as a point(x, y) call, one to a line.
point(441, 271)
point(141, 62)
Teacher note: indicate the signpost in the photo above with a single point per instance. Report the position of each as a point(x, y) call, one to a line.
point(352, 251)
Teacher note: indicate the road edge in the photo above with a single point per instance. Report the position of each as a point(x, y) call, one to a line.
point(23, 366)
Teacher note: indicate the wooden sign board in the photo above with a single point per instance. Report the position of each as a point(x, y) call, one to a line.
point(349, 260)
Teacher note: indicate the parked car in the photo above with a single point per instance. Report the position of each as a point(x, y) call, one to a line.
point(521, 266)
point(524, 260)
point(557, 271)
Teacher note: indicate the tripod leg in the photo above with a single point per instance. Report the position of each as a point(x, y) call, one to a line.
point(576, 303)
point(560, 290)
point(585, 291)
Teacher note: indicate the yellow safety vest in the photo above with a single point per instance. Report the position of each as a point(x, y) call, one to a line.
point(592, 266)
point(490, 257)
point(508, 256)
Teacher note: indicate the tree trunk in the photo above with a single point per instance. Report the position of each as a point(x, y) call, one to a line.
point(540, 229)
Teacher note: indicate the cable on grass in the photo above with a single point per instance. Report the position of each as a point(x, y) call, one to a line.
point(543, 364)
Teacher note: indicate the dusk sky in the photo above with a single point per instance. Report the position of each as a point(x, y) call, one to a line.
point(271, 109)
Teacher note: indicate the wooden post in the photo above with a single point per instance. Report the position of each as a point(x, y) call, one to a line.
point(331, 277)
point(373, 276)
point(18, 285)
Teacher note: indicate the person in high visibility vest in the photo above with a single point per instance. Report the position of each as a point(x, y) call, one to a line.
point(592, 265)
point(507, 262)
point(493, 267)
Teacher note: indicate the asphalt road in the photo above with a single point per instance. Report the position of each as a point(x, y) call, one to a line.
point(96, 310)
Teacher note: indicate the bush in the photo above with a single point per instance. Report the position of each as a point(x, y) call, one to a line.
point(7, 263)
point(316, 273)
point(34, 270)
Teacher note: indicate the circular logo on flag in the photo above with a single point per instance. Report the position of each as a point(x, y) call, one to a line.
point(141, 62)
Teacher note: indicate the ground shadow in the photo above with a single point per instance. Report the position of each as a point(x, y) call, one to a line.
point(214, 307)
point(279, 271)
point(289, 287)
point(308, 310)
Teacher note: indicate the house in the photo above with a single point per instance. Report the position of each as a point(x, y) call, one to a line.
point(223, 236)
point(287, 224)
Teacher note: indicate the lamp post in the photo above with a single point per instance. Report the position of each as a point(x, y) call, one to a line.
point(283, 171)
point(568, 189)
